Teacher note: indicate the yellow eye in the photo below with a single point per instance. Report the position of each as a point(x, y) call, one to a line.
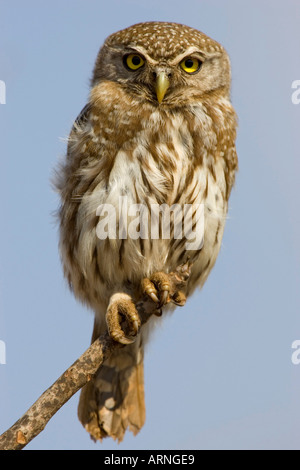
point(190, 64)
point(134, 61)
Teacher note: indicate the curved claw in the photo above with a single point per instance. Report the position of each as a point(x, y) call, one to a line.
point(135, 326)
point(153, 297)
point(179, 298)
point(157, 287)
point(121, 306)
point(164, 297)
point(120, 337)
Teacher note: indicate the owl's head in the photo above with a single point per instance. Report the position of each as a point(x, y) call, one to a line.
point(168, 64)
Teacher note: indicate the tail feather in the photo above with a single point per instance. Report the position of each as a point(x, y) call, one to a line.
point(113, 401)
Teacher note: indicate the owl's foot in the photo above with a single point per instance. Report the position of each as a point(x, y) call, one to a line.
point(122, 318)
point(159, 288)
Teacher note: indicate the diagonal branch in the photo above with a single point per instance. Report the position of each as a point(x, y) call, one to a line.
point(76, 376)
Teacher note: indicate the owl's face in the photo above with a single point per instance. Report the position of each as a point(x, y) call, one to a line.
point(166, 64)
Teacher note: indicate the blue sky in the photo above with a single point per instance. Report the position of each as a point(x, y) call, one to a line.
point(218, 373)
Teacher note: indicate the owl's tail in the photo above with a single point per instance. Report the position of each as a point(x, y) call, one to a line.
point(114, 400)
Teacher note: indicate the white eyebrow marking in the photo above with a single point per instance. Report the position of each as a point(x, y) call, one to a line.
point(188, 51)
point(143, 51)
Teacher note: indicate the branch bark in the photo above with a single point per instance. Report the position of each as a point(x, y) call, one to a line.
point(81, 372)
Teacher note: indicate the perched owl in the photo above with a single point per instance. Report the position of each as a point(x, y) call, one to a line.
point(158, 129)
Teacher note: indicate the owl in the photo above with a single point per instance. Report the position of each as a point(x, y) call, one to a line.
point(158, 130)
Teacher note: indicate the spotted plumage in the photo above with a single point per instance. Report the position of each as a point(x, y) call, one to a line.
point(159, 128)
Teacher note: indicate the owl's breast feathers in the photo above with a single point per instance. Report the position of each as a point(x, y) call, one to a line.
point(152, 154)
point(167, 140)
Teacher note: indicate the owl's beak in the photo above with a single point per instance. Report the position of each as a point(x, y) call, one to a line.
point(161, 86)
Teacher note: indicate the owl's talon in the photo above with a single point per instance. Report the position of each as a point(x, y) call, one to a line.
point(120, 338)
point(157, 287)
point(123, 321)
point(179, 298)
point(135, 325)
point(149, 289)
point(153, 297)
point(164, 297)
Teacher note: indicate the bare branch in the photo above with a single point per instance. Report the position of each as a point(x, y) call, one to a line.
point(81, 372)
